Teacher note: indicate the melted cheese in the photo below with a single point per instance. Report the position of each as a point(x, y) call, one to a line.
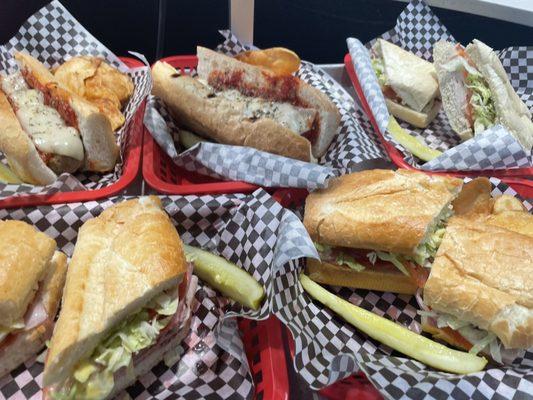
point(43, 123)
point(297, 119)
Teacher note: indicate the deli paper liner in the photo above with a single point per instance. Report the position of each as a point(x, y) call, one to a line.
point(328, 349)
point(417, 30)
point(53, 35)
point(244, 229)
point(355, 142)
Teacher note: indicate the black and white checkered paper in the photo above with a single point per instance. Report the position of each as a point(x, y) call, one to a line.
point(53, 35)
point(328, 349)
point(350, 147)
point(417, 30)
point(244, 229)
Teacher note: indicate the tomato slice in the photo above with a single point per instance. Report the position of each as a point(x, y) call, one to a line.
point(457, 338)
point(418, 274)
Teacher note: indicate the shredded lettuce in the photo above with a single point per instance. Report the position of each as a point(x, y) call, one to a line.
point(345, 259)
point(481, 340)
point(93, 377)
point(426, 250)
point(395, 259)
point(484, 111)
point(379, 69)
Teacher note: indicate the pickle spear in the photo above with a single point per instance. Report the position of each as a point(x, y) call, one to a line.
point(227, 278)
point(8, 176)
point(189, 139)
point(396, 336)
point(411, 143)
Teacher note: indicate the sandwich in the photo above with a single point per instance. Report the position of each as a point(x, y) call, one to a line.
point(32, 274)
point(378, 229)
point(126, 303)
point(409, 83)
point(476, 92)
point(236, 103)
point(47, 130)
point(99, 83)
point(479, 294)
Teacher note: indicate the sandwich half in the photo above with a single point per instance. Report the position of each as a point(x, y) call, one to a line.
point(241, 104)
point(477, 94)
point(409, 83)
point(32, 274)
point(479, 294)
point(378, 229)
point(126, 302)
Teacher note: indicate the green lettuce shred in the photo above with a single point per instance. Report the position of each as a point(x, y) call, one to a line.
point(484, 111)
point(93, 377)
point(345, 259)
point(379, 69)
point(428, 248)
point(395, 259)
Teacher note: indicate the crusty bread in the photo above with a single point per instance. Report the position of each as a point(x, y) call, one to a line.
point(378, 209)
point(19, 150)
point(26, 344)
point(511, 110)
point(223, 72)
point(516, 221)
point(482, 274)
point(419, 119)
point(412, 78)
point(101, 149)
point(122, 259)
point(25, 255)
point(452, 90)
point(474, 198)
point(383, 280)
point(192, 105)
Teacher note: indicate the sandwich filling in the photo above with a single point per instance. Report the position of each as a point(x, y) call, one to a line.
point(479, 108)
point(416, 266)
point(462, 334)
point(94, 376)
point(300, 120)
point(42, 123)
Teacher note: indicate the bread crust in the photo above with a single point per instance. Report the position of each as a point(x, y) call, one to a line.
point(101, 149)
point(27, 344)
point(510, 109)
point(378, 209)
point(22, 248)
point(381, 280)
point(219, 119)
point(19, 149)
point(452, 90)
point(482, 274)
point(122, 259)
point(223, 72)
point(412, 78)
point(415, 118)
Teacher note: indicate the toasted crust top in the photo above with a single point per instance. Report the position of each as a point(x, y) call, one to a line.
point(25, 254)
point(378, 209)
point(122, 259)
point(482, 274)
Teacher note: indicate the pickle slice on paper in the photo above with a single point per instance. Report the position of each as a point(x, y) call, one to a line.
point(411, 143)
point(189, 139)
point(396, 336)
point(226, 277)
point(8, 176)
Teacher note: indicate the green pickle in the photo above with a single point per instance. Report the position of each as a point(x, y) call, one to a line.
point(395, 335)
point(189, 139)
point(411, 143)
point(226, 277)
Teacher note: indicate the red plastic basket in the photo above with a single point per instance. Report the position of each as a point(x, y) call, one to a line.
point(357, 386)
point(163, 175)
point(132, 162)
point(398, 158)
point(266, 358)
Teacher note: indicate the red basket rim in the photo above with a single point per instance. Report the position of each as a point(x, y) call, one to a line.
point(151, 148)
point(517, 174)
point(132, 163)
